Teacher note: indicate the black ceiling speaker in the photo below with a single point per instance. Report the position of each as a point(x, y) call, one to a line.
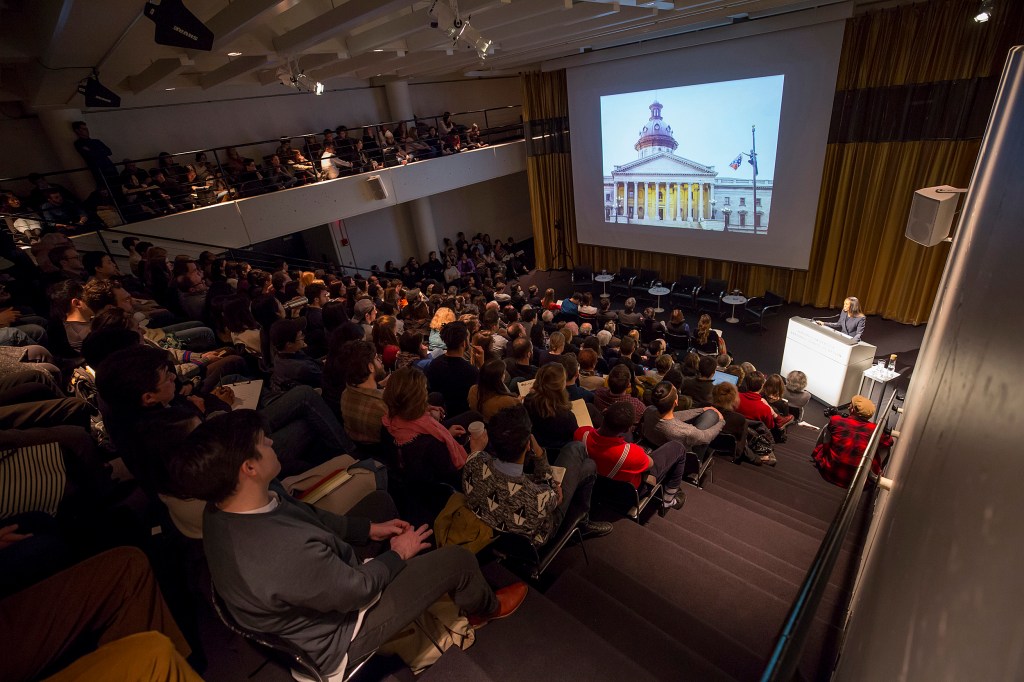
point(96, 94)
point(177, 27)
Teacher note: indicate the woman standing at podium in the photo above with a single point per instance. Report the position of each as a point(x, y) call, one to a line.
point(851, 320)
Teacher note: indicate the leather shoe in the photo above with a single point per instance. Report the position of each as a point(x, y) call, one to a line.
point(781, 422)
point(509, 599)
point(595, 529)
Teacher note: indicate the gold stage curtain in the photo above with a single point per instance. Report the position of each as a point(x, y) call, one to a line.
point(859, 246)
point(548, 166)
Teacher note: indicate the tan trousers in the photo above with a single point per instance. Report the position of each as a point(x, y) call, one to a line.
point(143, 657)
point(107, 598)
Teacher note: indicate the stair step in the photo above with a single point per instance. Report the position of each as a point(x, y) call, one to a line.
point(543, 642)
point(818, 491)
point(713, 514)
point(650, 647)
point(758, 505)
point(781, 498)
point(742, 560)
point(719, 647)
point(758, 485)
point(709, 601)
point(456, 666)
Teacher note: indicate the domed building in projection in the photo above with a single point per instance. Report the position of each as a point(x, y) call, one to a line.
point(662, 188)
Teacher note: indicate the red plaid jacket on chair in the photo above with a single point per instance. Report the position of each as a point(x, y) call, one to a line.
point(838, 455)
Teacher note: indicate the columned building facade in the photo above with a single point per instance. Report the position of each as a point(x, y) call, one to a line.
point(662, 188)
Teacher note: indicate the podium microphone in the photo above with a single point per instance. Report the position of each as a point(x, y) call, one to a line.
point(816, 319)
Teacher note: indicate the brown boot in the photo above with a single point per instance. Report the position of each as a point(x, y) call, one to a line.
point(509, 599)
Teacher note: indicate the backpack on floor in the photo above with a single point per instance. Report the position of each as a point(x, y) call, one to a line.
point(759, 443)
point(421, 642)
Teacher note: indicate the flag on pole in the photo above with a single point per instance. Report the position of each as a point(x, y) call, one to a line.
point(753, 162)
point(737, 162)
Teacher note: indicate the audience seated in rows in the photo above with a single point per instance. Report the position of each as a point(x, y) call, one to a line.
point(163, 358)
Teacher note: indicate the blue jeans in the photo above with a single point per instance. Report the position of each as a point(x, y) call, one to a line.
point(304, 430)
point(193, 335)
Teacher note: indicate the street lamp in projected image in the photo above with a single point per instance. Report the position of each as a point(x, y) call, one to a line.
point(726, 210)
point(712, 202)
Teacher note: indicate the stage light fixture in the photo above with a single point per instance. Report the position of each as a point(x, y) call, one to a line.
point(177, 27)
point(97, 94)
point(984, 11)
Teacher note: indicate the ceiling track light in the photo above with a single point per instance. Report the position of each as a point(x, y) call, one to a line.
point(984, 11)
point(293, 77)
point(446, 18)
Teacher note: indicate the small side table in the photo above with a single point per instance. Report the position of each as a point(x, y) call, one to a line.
point(659, 292)
point(604, 279)
point(733, 300)
point(877, 374)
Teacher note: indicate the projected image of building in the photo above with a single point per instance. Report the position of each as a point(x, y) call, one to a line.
point(663, 188)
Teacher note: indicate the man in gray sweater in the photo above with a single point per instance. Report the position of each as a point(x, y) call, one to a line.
point(661, 423)
point(287, 568)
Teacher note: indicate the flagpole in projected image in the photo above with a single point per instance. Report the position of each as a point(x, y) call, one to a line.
point(753, 162)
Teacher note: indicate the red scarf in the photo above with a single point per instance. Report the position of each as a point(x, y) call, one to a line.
point(404, 430)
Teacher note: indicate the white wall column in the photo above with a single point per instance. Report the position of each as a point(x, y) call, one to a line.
point(399, 101)
point(400, 106)
point(700, 202)
point(423, 225)
point(689, 188)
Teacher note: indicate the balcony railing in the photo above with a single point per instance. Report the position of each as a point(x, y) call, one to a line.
point(201, 177)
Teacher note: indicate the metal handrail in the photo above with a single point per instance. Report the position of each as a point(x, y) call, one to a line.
point(149, 237)
point(233, 250)
point(785, 656)
point(275, 140)
point(242, 252)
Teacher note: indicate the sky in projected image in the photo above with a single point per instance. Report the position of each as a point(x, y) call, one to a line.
point(711, 122)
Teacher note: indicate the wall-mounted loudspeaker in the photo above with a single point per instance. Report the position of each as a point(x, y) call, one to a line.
point(377, 188)
point(931, 214)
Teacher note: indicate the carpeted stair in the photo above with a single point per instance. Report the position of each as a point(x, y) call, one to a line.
point(697, 595)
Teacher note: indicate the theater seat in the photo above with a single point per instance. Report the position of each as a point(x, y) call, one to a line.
point(534, 559)
point(582, 278)
point(623, 494)
point(279, 648)
point(684, 291)
point(709, 296)
point(760, 307)
point(623, 282)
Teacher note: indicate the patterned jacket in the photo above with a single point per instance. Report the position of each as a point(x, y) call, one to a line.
point(522, 504)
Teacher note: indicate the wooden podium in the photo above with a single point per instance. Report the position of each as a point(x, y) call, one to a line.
point(833, 362)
